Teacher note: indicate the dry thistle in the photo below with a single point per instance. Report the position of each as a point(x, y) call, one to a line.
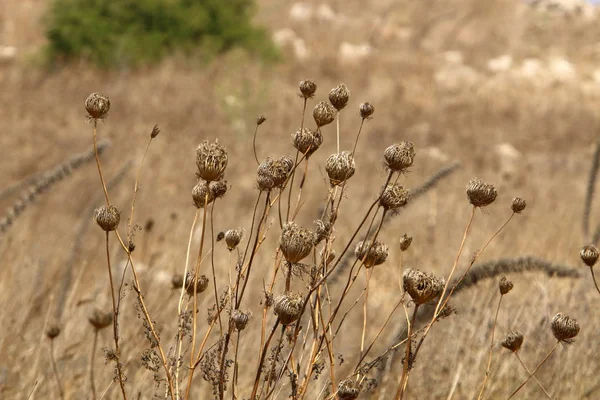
point(201, 194)
point(564, 328)
point(233, 237)
point(348, 389)
point(394, 197)
point(480, 194)
point(261, 118)
point(189, 284)
point(339, 96)
point(273, 173)
point(371, 255)
point(589, 255)
point(366, 110)
point(518, 205)
point(405, 242)
point(107, 217)
point(340, 167)
point(306, 141)
point(307, 88)
point(100, 319)
point(421, 287)
point(97, 106)
point(295, 242)
point(288, 308)
point(505, 286)
point(211, 159)
point(323, 113)
point(399, 156)
point(513, 341)
point(218, 189)
point(52, 331)
point(240, 319)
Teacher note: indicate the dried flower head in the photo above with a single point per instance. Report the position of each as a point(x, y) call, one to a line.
point(366, 110)
point(371, 254)
point(273, 173)
point(505, 286)
point(211, 160)
point(177, 281)
point(307, 88)
point(100, 319)
point(155, 131)
point(518, 205)
point(233, 237)
point(240, 319)
point(288, 308)
point(201, 194)
point(52, 331)
point(322, 232)
point(513, 341)
point(261, 118)
point(339, 96)
point(421, 287)
point(399, 156)
point(340, 167)
point(480, 194)
point(295, 242)
point(564, 328)
point(323, 113)
point(348, 389)
point(97, 106)
point(107, 217)
point(589, 255)
point(306, 141)
point(405, 242)
point(218, 189)
point(201, 286)
point(394, 197)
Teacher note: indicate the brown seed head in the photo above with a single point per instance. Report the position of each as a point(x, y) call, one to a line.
point(505, 286)
point(100, 319)
point(480, 194)
point(288, 308)
point(323, 113)
point(372, 255)
point(233, 237)
point(261, 118)
point(240, 319)
point(107, 217)
point(322, 232)
point(52, 331)
point(201, 194)
point(564, 328)
point(340, 167)
point(394, 197)
point(295, 242)
point(422, 287)
point(339, 96)
point(307, 88)
point(97, 106)
point(211, 160)
point(273, 173)
point(176, 281)
point(155, 131)
point(589, 254)
point(348, 389)
point(366, 110)
point(306, 141)
point(405, 242)
point(513, 341)
point(518, 205)
point(399, 156)
point(218, 189)
point(201, 285)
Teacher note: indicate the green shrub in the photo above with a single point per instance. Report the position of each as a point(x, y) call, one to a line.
point(131, 32)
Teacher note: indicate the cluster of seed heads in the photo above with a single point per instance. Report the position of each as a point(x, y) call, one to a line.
point(100, 319)
point(107, 217)
point(97, 106)
point(371, 253)
point(288, 308)
point(589, 255)
point(399, 156)
point(564, 328)
point(274, 173)
point(421, 287)
point(204, 193)
point(295, 242)
point(394, 197)
point(340, 167)
point(307, 141)
point(513, 341)
point(211, 160)
point(505, 286)
point(480, 194)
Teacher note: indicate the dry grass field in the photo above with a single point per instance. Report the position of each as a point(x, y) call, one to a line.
point(509, 91)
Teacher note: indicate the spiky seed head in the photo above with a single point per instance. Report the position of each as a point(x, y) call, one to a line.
point(340, 167)
point(589, 255)
point(295, 242)
point(201, 286)
point(240, 319)
point(100, 319)
point(339, 96)
point(348, 389)
point(155, 131)
point(399, 156)
point(273, 173)
point(201, 194)
point(288, 308)
point(513, 341)
point(421, 287)
point(52, 331)
point(322, 232)
point(176, 281)
point(218, 189)
point(371, 254)
point(481, 194)
point(323, 114)
point(233, 237)
point(564, 328)
point(307, 88)
point(394, 197)
point(518, 205)
point(211, 160)
point(261, 118)
point(405, 242)
point(97, 106)
point(107, 217)
point(306, 141)
point(505, 286)
point(366, 110)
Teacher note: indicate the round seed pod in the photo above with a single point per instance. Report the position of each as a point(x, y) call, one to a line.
point(295, 242)
point(513, 341)
point(399, 156)
point(261, 118)
point(505, 286)
point(240, 319)
point(97, 106)
point(107, 217)
point(340, 167)
point(481, 194)
point(52, 331)
point(306, 141)
point(233, 237)
point(366, 110)
point(201, 286)
point(589, 255)
point(339, 96)
point(100, 319)
point(564, 328)
point(348, 389)
point(218, 189)
point(323, 114)
point(273, 173)
point(201, 194)
point(394, 197)
point(405, 242)
point(288, 308)
point(421, 287)
point(307, 88)
point(211, 160)
point(371, 255)
point(518, 205)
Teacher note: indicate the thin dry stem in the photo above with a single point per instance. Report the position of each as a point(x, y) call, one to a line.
point(534, 378)
point(61, 391)
point(489, 362)
point(535, 370)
